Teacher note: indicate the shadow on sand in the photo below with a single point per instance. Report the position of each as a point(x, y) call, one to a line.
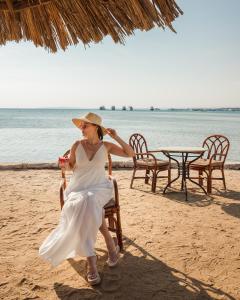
point(196, 198)
point(232, 209)
point(140, 277)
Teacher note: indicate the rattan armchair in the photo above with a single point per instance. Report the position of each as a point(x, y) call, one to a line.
point(214, 158)
point(146, 160)
point(112, 208)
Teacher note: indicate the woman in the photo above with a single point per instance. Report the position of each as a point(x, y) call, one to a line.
point(85, 197)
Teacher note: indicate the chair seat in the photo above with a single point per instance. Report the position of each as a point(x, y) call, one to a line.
point(203, 163)
point(111, 203)
point(148, 162)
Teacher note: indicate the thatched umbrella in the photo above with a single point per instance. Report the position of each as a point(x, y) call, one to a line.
point(56, 24)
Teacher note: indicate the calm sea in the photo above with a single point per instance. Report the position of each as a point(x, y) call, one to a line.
point(41, 135)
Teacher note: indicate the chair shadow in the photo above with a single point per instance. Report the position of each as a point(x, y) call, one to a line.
point(193, 199)
point(230, 194)
point(232, 209)
point(142, 277)
point(194, 196)
point(202, 200)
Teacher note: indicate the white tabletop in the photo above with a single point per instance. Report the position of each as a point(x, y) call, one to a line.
point(182, 149)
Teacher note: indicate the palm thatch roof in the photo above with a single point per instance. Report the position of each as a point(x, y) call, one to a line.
point(55, 24)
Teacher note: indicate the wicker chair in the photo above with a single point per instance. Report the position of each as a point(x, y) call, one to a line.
point(213, 159)
point(146, 160)
point(112, 208)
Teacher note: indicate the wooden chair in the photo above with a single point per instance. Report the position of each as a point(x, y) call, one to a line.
point(146, 160)
point(112, 208)
point(213, 159)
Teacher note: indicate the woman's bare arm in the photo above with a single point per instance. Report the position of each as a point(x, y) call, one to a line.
point(69, 165)
point(72, 156)
point(123, 150)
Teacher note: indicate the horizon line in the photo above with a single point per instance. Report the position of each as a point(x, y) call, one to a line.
point(121, 106)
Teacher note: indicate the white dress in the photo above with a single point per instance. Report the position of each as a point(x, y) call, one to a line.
point(84, 198)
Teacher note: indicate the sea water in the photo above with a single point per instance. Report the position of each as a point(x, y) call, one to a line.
point(42, 135)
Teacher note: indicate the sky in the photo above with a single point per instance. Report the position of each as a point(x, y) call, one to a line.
point(197, 67)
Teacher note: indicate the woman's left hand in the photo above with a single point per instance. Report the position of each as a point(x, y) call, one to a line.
point(111, 132)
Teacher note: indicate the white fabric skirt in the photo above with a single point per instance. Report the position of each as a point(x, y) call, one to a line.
point(78, 226)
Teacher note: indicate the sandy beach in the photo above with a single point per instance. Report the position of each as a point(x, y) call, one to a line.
point(172, 249)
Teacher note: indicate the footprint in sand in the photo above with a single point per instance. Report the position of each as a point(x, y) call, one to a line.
point(3, 225)
point(3, 283)
point(24, 282)
point(39, 230)
point(33, 200)
point(37, 287)
point(111, 282)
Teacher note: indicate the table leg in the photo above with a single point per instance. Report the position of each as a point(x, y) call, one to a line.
point(184, 173)
point(179, 172)
point(183, 169)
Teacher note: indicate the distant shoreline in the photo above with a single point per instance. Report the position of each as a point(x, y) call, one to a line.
point(222, 109)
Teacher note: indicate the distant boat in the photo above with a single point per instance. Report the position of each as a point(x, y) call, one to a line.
point(102, 107)
point(130, 108)
point(113, 107)
point(151, 108)
point(124, 108)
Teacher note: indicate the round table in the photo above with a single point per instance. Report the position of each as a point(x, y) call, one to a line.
point(183, 156)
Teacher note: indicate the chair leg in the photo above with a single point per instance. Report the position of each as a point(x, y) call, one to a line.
point(200, 172)
point(147, 176)
point(154, 181)
point(114, 225)
point(223, 178)
point(209, 182)
point(119, 231)
point(169, 174)
point(133, 176)
point(119, 238)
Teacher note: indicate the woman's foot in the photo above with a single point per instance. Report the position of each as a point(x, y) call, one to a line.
point(113, 257)
point(93, 276)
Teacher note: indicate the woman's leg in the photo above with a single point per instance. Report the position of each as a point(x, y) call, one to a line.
point(109, 240)
point(92, 260)
point(92, 265)
point(93, 277)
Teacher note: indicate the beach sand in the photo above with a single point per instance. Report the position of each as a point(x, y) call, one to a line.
point(173, 249)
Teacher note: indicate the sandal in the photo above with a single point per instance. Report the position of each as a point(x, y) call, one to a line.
point(113, 263)
point(93, 278)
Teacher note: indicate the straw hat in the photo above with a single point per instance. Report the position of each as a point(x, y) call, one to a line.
point(90, 118)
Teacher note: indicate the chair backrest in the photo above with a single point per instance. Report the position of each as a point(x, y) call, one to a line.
point(139, 145)
point(217, 145)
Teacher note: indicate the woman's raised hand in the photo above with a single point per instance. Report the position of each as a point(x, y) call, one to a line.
point(111, 132)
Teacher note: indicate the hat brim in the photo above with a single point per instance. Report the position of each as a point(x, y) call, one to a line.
point(77, 122)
